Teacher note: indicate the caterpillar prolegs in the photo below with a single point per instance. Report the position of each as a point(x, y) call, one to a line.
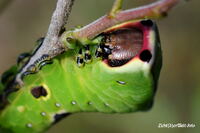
point(116, 75)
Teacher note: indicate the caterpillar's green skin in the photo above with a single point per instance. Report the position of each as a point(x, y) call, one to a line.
point(94, 87)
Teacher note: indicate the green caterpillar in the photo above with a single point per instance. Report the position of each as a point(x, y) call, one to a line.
point(117, 73)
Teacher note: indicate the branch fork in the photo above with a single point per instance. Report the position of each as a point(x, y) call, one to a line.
point(54, 43)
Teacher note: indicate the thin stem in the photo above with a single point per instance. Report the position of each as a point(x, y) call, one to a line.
point(116, 7)
point(154, 10)
point(51, 45)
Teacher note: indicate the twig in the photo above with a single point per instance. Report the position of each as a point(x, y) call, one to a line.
point(154, 10)
point(51, 45)
point(116, 7)
point(4, 4)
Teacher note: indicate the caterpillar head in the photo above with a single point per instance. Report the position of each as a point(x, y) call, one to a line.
point(119, 74)
point(131, 63)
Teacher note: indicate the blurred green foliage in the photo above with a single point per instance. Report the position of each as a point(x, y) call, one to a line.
point(178, 96)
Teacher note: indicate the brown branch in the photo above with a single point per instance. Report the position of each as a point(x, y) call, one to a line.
point(51, 45)
point(154, 10)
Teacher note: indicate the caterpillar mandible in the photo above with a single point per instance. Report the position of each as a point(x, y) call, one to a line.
point(117, 74)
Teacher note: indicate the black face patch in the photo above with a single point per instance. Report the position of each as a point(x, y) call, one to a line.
point(145, 56)
point(58, 117)
point(147, 22)
point(116, 63)
point(39, 91)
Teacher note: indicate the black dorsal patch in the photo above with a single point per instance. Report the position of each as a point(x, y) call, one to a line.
point(58, 117)
point(147, 22)
point(145, 56)
point(38, 91)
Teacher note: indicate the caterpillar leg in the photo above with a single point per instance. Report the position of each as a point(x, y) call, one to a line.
point(103, 51)
point(79, 59)
point(87, 56)
point(99, 51)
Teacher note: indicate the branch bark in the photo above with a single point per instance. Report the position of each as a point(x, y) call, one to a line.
point(51, 45)
point(154, 10)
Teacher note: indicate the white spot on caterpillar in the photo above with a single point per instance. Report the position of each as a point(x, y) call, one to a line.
point(43, 113)
point(21, 108)
point(89, 103)
point(106, 104)
point(29, 125)
point(58, 105)
point(73, 102)
point(121, 82)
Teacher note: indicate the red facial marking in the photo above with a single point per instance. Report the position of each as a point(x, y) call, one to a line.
point(127, 42)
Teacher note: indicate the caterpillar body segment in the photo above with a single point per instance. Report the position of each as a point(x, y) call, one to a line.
point(117, 75)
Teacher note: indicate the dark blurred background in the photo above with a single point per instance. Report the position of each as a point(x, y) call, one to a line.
point(178, 96)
